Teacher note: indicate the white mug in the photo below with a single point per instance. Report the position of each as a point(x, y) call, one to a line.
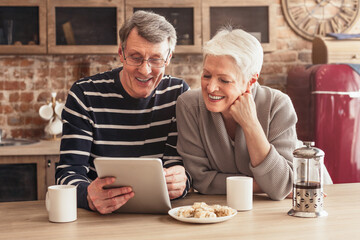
point(46, 111)
point(54, 127)
point(61, 203)
point(239, 192)
point(58, 108)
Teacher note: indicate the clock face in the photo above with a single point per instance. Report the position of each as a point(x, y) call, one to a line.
point(311, 18)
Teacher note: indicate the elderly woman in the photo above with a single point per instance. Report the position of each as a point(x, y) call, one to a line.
point(234, 126)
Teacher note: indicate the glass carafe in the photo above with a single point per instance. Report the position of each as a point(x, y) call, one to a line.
point(308, 196)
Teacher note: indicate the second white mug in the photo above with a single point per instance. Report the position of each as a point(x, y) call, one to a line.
point(239, 192)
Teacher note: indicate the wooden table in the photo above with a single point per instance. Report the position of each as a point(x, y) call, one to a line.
point(267, 220)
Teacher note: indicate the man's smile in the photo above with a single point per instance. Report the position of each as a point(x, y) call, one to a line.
point(143, 80)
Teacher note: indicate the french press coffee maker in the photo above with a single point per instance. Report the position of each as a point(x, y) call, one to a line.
point(308, 196)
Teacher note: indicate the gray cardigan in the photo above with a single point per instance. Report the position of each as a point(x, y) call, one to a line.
point(210, 155)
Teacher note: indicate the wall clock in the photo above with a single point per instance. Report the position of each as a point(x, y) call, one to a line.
point(311, 18)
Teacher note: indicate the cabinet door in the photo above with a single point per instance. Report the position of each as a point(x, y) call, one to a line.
point(23, 27)
point(184, 15)
point(22, 175)
point(254, 16)
point(84, 26)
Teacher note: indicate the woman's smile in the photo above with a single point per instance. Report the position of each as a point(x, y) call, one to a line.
point(215, 98)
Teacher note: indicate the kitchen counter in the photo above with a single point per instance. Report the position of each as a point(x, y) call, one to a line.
point(43, 147)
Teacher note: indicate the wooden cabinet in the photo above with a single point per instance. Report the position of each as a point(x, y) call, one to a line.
point(84, 26)
point(254, 16)
point(184, 15)
point(26, 178)
point(27, 170)
point(22, 26)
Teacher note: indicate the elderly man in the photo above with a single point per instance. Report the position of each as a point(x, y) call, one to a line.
point(125, 112)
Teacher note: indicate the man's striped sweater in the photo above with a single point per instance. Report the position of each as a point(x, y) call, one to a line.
point(101, 120)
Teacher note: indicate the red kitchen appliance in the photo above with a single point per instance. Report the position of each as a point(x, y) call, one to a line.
point(326, 98)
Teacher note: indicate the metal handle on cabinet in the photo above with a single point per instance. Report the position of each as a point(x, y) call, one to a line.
point(49, 163)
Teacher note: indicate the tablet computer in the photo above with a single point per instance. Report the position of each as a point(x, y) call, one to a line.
point(144, 175)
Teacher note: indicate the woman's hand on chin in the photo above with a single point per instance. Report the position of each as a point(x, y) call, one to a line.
point(243, 110)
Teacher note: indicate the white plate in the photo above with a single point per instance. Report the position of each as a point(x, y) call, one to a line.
point(173, 213)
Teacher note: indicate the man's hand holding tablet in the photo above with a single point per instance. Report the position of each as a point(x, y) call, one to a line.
point(175, 180)
point(105, 200)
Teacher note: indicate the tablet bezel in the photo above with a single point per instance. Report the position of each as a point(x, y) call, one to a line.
point(144, 175)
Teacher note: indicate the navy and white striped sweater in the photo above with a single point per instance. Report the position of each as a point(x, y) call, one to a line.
point(102, 120)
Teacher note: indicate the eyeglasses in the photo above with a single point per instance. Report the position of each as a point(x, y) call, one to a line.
point(152, 62)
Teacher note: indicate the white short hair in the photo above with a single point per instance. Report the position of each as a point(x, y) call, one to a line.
point(240, 45)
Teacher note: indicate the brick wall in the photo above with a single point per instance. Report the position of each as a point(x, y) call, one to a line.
point(26, 81)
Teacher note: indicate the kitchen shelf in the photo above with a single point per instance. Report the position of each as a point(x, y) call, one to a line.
point(23, 27)
point(84, 26)
point(185, 16)
point(256, 17)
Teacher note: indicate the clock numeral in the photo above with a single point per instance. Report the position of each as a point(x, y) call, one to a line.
point(308, 24)
point(353, 3)
point(351, 11)
point(335, 25)
point(321, 30)
point(347, 14)
point(298, 13)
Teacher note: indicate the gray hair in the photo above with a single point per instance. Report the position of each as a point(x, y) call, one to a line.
point(151, 26)
point(240, 45)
